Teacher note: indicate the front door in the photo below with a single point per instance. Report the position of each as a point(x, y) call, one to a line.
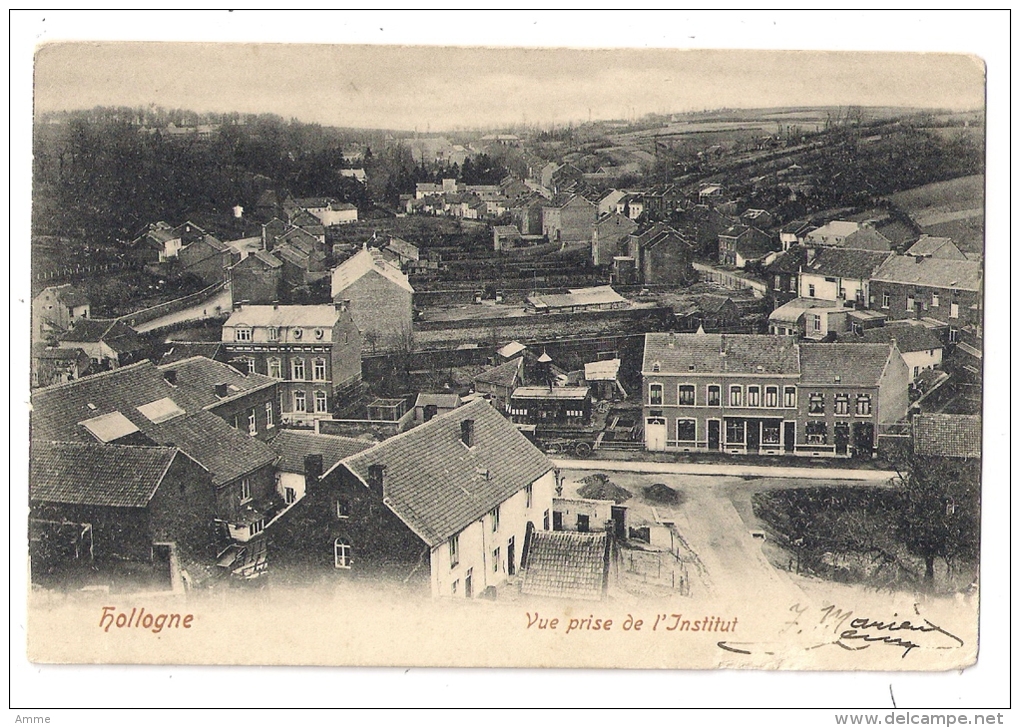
point(557, 520)
point(582, 523)
point(789, 436)
point(753, 428)
point(842, 437)
point(511, 561)
point(619, 521)
point(655, 434)
point(864, 439)
point(713, 434)
point(468, 586)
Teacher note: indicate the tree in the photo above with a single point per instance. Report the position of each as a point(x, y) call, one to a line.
point(939, 516)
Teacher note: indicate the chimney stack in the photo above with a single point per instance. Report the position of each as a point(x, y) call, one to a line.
point(221, 390)
point(313, 468)
point(376, 479)
point(467, 432)
point(276, 305)
point(170, 375)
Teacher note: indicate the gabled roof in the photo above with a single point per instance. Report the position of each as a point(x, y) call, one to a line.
point(365, 261)
point(936, 247)
point(721, 353)
point(566, 564)
point(951, 436)
point(796, 227)
point(441, 400)
point(836, 228)
point(316, 202)
point(935, 272)
point(92, 474)
point(602, 371)
point(789, 261)
point(42, 351)
point(319, 315)
point(437, 485)
point(594, 296)
point(867, 238)
point(856, 365)
point(792, 310)
point(299, 238)
point(198, 376)
point(908, 338)
point(114, 333)
point(505, 375)
point(846, 263)
point(266, 258)
point(293, 445)
point(69, 295)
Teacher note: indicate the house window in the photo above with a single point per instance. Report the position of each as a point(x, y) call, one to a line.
point(527, 495)
point(770, 433)
point(454, 587)
point(934, 300)
point(495, 560)
point(299, 401)
point(811, 290)
point(735, 397)
point(886, 299)
point(494, 515)
point(789, 396)
point(714, 395)
point(954, 310)
point(320, 402)
point(953, 335)
point(245, 490)
point(775, 284)
point(545, 520)
point(816, 403)
point(734, 432)
point(454, 550)
point(319, 370)
point(771, 396)
point(297, 369)
point(685, 395)
point(917, 370)
point(273, 368)
point(863, 405)
point(754, 396)
point(341, 554)
point(655, 395)
point(243, 334)
point(343, 508)
point(910, 302)
point(841, 404)
point(793, 284)
point(250, 364)
point(817, 432)
point(252, 424)
point(272, 333)
point(816, 322)
point(269, 415)
point(289, 495)
point(686, 430)
point(842, 293)
point(256, 527)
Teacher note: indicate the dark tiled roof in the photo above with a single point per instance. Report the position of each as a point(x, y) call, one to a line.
point(41, 351)
point(908, 338)
point(721, 353)
point(116, 334)
point(437, 485)
point(198, 376)
point(97, 475)
point(565, 564)
point(935, 272)
point(89, 330)
point(180, 350)
point(789, 261)
point(505, 375)
point(796, 227)
point(268, 258)
point(846, 263)
point(57, 410)
point(293, 445)
point(867, 238)
point(856, 365)
point(951, 436)
point(441, 400)
point(71, 296)
point(937, 247)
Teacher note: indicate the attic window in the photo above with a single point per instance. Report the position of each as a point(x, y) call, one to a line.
point(690, 367)
point(656, 366)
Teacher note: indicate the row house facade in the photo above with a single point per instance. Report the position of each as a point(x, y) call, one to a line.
point(313, 351)
point(765, 394)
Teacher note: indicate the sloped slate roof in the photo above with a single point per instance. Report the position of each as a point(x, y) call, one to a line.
point(324, 316)
point(180, 350)
point(952, 436)
point(443, 401)
point(565, 564)
point(935, 272)
point(721, 353)
point(293, 445)
point(856, 365)
point(93, 474)
point(198, 376)
point(846, 263)
point(502, 376)
point(71, 296)
point(363, 262)
point(437, 485)
point(908, 338)
point(938, 247)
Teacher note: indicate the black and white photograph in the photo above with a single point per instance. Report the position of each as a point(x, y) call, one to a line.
point(419, 354)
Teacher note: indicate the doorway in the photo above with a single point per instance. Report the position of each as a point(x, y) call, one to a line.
point(713, 434)
point(511, 560)
point(841, 436)
point(619, 515)
point(582, 523)
point(753, 428)
point(655, 434)
point(789, 436)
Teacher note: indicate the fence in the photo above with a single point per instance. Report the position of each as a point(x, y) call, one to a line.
point(82, 271)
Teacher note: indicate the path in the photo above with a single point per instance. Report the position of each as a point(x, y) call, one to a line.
point(219, 303)
point(935, 217)
point(726, 469)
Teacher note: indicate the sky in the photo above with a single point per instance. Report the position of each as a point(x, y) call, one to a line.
point(442, 88)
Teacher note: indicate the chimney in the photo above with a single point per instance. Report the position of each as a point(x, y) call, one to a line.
point(376, 479)
point(918, 259)
point(276, 305)
point(221, 389)
point(467, 432)
point(237, 305)
point(170, 375)
point(343, 304)
point(313, 468)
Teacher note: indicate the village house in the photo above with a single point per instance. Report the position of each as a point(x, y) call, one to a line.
point(109, 343)
point(743, 244)
point(429, 405)
point(664, 258)
point(607, 235)
point(546, 405)
point(309, 223)
point(302, 255)
point(499, 382)
point(378, 295)
point(208, 258)
point(851, 235)
point(55, 309)
point(56, 365)
point(443, 508)
point(941, 289)
point(929, 246)
point(313, 351)
point(567, 219)
point(136, 405)
point(356, 173)
point(304, 456)
point(809, 318)
point(95, 508)
point(793, 233)
point(759, 219)
point(839, 274)
point(329, 211)
point(257, 278)
point(163, 241)
point(407, 254)
point(526, 214)
point(505, 237)
point(920, 348)
point(782, 275)
point(765, 394)
point(246, 400)
point(608, 202)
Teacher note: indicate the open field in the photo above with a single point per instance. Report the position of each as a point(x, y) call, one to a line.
point(954, 209)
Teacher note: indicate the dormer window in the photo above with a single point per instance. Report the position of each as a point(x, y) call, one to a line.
point(297, 333)
point(273, 333)
point(318, 333)
point(242, 333)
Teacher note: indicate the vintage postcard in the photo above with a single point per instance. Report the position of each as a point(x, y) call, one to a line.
point(399, 355)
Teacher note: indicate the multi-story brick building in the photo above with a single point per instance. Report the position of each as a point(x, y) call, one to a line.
point(765, 394)
point(314, 352)
point(378, 295)
point(913, 287)
point(568, 218)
